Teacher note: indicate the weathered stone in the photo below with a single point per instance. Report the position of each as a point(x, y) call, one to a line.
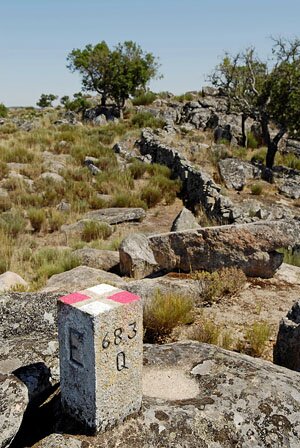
point(62, 441)
point(250, 247)
point(54, 163)
point(184, 220)
point(116, 215)
point(9, 280)
point(80, 278)
point(287, 347)
point(99, 259)
point(201, 396)
point(13, 402)
point(136, 256)
point(235, 172)
point(64, 206)
point(293, 146)
point(291, 188)
point(28, 331)
point(147, 288)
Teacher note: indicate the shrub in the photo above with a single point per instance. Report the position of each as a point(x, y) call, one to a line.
point(95, 230)
point(257, 335)
point(289, 160)
point(251, 141)
point(256, 189)
point(146, 119)
point(164, 312)
point(55, 220)
point(3, 110)
point(12, 223)
point(168, 188)
point(184, 97)
point(207, 331)
point(144, 99)
point(6, 251)
point(214, 285)
point(37, 217)
point(155, 169)
point(151, 195)
point(3, 169)
point(259, 155)
point(137, 169)
point(128, 200)
point(50, 261)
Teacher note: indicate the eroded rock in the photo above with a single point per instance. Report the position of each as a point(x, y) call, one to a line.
point(13, 402)
point(116, 215)
point(184, 220)
point(250, 247)
point(99, 259)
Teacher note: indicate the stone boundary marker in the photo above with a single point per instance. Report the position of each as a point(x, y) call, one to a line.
point(100, 334)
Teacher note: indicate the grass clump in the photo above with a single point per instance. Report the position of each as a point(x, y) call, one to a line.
point(37, 217)
point(144, 99)
point(257, 336)
point(6, 250)
point(12, 223)
point(215, 285)
point(251, 141)
point(137, 169)
point(95, 230)
point(55, 219)
point(151, 195)
point(256, 189)
point(289, 160)
point(147, 120)
point(184, 97)
point(50, 261)
point(128, 200)
point(164, 312)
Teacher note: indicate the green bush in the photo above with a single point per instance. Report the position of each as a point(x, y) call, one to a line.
point(214, 285)
point(3, 110)
point(95, 230)
point(12, 223)
point(151, 195)
point(164, 312)
point(56, 219)
point(144, 99)
point(147, 120)
point(257, 335)
point(37, 217)
point(184, 97)
point(137, 169)
point(128, 200)
point(256, 189)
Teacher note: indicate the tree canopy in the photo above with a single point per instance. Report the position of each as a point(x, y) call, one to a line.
point(46, 100)
point(114, 73)
point(267, 91)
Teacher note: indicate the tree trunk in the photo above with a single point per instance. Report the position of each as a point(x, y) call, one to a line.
point(103, 100)
point(271, 153)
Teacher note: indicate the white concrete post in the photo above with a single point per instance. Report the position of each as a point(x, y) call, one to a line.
point(101, 344)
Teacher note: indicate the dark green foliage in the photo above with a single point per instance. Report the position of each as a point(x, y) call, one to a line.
point(146, 119)
point(79, 103)
point(3, 110)
point(116, 73)
point(267, 93)
point(46, 100)
point(144, 98)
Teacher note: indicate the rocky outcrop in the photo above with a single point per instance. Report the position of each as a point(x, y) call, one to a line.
point(198, 395)
point(291, 188)
point(184, 220)
point(293, 147)
point(235, 172)
point(251, 248)
point(287, 347)
point(197, 186)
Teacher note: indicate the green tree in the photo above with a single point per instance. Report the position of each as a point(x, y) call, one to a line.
point(116, 73)
point(79, 103)
point(3, 110)
point(267, 92)
point(46, 100)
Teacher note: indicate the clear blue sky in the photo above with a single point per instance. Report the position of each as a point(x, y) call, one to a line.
point(188, 36)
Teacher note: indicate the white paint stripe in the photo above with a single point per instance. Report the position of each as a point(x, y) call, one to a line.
point(95, 308)
point(102, 289)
